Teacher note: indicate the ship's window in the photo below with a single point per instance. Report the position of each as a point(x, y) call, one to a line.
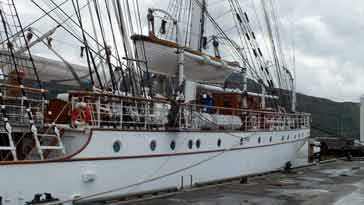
point(190, 144)
point(282, 138)
point(259, 140)
point(270, 139)
point(219, 142)
point(153, 145)
point(173, 145)
point(198, 144)
point(295, 136)
point(116, 146)
point(241, 141)
point(288, 137)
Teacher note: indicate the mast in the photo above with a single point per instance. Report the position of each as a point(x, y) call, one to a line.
point(294, 96)
point(362, 119)
point(197, 26)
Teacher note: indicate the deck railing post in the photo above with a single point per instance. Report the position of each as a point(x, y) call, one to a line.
point(179, 116)
point(98, 107)
point(232, 122)
point(146, 114)
point(72, 108)
point(121, 113)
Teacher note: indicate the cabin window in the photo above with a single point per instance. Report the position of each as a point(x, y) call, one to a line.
point(190, 144)
point(288, 137)
point(227, 103)
point(173, 145)
point(116, 146)
point(270, 139)
point(153, 145)
point(259, 140)
point(241, 141)
point(219, 142)
point(198, 144)
point(282, 138)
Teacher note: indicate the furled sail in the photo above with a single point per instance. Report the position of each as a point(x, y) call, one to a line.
point(197, 26)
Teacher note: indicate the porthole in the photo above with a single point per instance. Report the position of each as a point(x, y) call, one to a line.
point(173, 145)
point(219, 142)
point(270, 139)
point(190, 144)
point(259, 140)
point(198, 144)
point(116, 146)
point(153, 145)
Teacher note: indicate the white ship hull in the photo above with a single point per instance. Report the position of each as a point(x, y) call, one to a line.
point(136, 168)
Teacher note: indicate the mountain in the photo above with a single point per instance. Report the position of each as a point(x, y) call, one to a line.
point(331, 118)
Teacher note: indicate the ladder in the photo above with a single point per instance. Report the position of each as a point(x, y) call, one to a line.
point(11, 147)
point(7, 129)
point(54, 141)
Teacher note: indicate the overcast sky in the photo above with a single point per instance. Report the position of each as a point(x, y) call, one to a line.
point(328, 36)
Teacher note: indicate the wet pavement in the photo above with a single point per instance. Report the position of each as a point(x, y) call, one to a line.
point(337, 183)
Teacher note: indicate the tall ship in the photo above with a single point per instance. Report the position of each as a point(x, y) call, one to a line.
point(148, 99)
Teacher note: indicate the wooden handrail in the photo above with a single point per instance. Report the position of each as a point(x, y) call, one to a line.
point(35, 90)
point(109, 94)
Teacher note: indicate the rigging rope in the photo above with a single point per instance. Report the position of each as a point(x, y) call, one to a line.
point(108, 52)
point(77, 11)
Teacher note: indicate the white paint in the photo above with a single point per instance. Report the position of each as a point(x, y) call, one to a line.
point(301, 156)
point(67, 179)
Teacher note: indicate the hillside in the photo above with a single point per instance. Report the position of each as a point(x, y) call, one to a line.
point(340, 119)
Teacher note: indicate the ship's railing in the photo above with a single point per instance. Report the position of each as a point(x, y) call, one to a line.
point(15, 104)
point(115, 111)
point(108, 110)
point(241, 119)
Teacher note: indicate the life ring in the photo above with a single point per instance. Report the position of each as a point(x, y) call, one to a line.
point(81, 114)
